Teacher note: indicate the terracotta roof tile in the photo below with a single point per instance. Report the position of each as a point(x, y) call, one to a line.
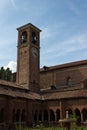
point(11, 84)
point(21, 94)
point(66, 65)
point(66, 94)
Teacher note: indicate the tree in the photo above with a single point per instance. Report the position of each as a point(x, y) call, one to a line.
point(5, 74)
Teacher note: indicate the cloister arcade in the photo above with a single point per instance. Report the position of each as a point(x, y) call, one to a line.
point(45, 116)
point(48, 116)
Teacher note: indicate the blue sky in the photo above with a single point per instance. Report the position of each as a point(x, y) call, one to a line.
point(63, 24)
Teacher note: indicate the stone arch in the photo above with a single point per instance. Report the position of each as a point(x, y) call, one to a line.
point(57, 114)
point(52, 115)
point(84, 113)
point(78, 115)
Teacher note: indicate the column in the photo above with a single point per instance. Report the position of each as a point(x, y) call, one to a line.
point(55, 116)
point(61, 110)
point(81, 117)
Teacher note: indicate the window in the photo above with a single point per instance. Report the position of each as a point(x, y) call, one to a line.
point(24, 37)
point(69, 81)
point(34, 38)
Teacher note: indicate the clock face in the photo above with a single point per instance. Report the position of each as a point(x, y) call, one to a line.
point(34, 52)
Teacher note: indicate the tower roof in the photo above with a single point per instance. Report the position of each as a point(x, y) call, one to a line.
point(28, 25)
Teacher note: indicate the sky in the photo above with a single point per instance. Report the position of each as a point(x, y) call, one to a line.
point(64, 29)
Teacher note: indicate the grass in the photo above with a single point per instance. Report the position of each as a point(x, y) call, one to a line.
point(51, 128)
point(41, 127)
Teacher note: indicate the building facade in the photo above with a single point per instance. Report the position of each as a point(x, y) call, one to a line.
point(42, 95)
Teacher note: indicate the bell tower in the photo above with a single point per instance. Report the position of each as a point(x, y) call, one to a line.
point(28, 57)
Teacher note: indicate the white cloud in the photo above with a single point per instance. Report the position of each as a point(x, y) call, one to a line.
point(12, 65)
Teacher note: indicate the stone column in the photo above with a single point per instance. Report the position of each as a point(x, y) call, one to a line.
point(81, 117)
point(67, 114)
point(55, 117)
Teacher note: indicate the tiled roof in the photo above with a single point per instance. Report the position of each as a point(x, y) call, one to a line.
point(20, 94)
point(66, 94)
point(66, 65)
point(13, 90)
point(29, 24)
point(11, 84)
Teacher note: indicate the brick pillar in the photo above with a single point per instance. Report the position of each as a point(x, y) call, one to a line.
point(9, 110)
point(61, 112)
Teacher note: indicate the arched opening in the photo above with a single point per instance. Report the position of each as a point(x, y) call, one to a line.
point(45, 115)
point(78, 116)
point(36, 116)
point(24, 37)
point(2, 115)
point(18, 115)
point(34, 38)
point(23, 115)
point(58, 114)
point(70, 112)
point(84, 113)
point(52, 115)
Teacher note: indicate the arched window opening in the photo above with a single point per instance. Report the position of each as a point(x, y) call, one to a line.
point(24, 37)
point(34, 38)
point(69, 81)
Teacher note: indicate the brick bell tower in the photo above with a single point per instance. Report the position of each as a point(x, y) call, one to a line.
point(28, 57)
